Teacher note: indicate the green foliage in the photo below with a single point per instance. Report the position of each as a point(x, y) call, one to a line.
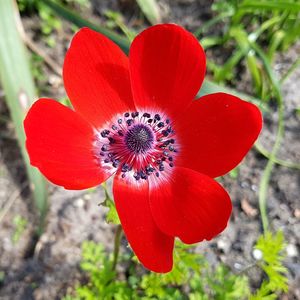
point(18, 86)
point(234, 173)
point(115, 21)
point(220, 284)
point(49, 21)
point(2, 276)
point(272, 23)
point(102, 282)
point(112, 215)
point(190, 278)
point(20, 225)
point(272, 247)
point(150, 9)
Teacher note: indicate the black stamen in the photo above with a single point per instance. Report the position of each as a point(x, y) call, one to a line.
point(157, 117)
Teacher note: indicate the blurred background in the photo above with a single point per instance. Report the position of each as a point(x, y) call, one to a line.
point(58, 244)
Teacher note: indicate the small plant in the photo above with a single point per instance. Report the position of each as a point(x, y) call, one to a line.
point(192, 276)
point(272, 247)
point(20, 225)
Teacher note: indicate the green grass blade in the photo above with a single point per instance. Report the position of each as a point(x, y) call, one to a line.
point(265, 179)
point(150, 9)
point(270, 5)
point(19, 89)
point(80, 22)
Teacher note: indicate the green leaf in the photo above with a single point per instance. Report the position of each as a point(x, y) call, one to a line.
point(272, 247)
point(112, 215)
point(19, 90)
point(150, 9)
point(80, 22)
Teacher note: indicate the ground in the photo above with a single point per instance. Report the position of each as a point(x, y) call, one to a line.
point(48, 266)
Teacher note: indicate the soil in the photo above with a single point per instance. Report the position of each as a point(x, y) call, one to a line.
point(47, 267)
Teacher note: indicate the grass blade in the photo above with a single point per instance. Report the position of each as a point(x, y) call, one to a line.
point(151, 10)
point(19, 90)
point(270, 5)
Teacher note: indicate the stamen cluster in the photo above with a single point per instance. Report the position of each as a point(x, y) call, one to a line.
point(138, 143)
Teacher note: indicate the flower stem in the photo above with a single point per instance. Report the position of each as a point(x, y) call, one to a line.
point(118, 237)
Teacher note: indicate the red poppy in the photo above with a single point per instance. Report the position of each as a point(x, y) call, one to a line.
point(137, 118)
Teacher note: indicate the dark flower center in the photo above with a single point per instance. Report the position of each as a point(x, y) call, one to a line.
point(139, 138)
point(138, 144)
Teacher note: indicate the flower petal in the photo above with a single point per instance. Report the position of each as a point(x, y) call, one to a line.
point(59, 144)
point(192, 206)
point(216, 132)
point(167, 67)
point(153, 248)
point(96, 77)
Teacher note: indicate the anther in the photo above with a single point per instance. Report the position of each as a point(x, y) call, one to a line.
point(136, 176)
point(157, 117)
point(146, 115)
point(104, 148)
point(111, 140)
point(116, 163)
point(125, 167)
point(143, 175)
point(129, 122)
point(105, 133)
point(165, 133)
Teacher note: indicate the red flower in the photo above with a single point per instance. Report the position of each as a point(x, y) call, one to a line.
point(137, 118)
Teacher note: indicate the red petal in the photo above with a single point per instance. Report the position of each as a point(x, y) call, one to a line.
point(59, 144)
point(167, 67)
point(153, 248)
point(96, 77)
point(193, 206)
point(216, 132)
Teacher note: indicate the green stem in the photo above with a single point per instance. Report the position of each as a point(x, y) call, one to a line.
point(278, 161)
point(117, 243)
point(266, 176)
point(290, 70)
